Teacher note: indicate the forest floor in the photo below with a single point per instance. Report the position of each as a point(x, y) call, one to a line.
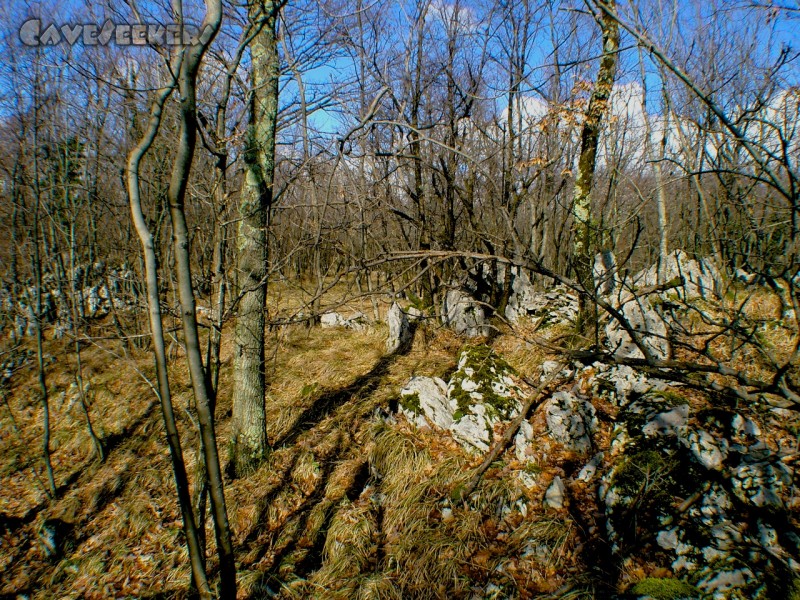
point(354, 502)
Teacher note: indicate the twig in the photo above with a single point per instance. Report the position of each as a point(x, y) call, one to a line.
point(540, 394)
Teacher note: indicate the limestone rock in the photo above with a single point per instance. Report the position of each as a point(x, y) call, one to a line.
point(522, 297)
point(589, 469)
point(556, 494)
point(423, 401)
point(761, 484)
point(724, 542)
point(414, 314)
point(701, 276)
point(559, 306)
point(474, 430)
point(646, 322)
point(571, 421)
point(707, 450)
point(93, 300)
point(400, 334)
point(465, 315)
point(621, 383)
point(606, 273)
point(357, 322)
point(331, 319)
point(745, 276)
point(482, 393)
point(549, 367)
point(722, 582)
point(523, 442)
point(671, 422)
point(745, 426)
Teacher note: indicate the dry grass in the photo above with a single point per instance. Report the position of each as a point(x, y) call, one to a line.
point(124, 534)
point(347, 506)
point(304, 522)
point(764, 337)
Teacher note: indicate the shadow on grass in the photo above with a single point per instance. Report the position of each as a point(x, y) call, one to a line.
point(300, 552)
point(110, 443)
point(329, 401)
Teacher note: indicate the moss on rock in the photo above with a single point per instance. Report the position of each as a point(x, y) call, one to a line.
point(665, 588)
point(485, 373)
point(411, 403)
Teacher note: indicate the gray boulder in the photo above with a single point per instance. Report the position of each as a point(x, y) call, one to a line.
point(424, 402)
point(571, 421)
point(701, 276)
point(523, 442)
point(400, 333)
point(556, 494)
point(606, 273)
point(559, 306)
point(465, 315)
point(522, 298)
point(589, 469)
point(646, 322)
point(331, 319)
point(480, 394)
point(94, 301)
point(726, 542)
point(357, 322)
point(620, 383)
point(707, 450)
point(669, 422)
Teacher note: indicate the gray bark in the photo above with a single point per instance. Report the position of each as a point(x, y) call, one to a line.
point(582, 204)
point(196, 557)
point(249, 438)
point(176, 194)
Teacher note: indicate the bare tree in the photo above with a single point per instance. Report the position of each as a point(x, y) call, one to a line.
point(582, 202)
point(188, 68)
point(157, 332)
point(249, 416)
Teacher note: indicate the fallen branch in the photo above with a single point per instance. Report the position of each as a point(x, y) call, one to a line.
point(542, 392)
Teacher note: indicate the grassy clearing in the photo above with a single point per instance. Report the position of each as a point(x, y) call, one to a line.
point(347, 506)
point(350, 504)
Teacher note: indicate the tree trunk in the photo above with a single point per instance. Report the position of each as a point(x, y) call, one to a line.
point(196, 557)
point(37, 318)
point(37, 309)
point(582, 203)
point(176, 194)
point(249, 438)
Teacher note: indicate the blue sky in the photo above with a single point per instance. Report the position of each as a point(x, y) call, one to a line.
point(330, 76)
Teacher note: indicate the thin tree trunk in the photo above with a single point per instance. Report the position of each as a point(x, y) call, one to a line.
point(196, 557)
point(37, 312)
point(37, 318)
point(582, 204)
point(181, 168)
point(73, 304)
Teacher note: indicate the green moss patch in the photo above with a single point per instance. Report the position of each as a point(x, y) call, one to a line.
point(483, 366)
point(671, 398)
point(411, 403)
point(665, 588)
point(642, 467)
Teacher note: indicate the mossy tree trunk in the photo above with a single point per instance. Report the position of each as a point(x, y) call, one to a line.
point(249, 438)
point(582, 203)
